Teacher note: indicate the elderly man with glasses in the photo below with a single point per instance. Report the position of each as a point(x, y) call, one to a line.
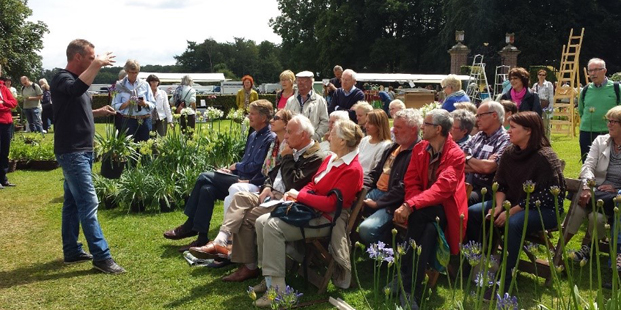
point(594, 101)
point(485, 148)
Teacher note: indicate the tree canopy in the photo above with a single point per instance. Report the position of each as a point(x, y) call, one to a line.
point(20, 39)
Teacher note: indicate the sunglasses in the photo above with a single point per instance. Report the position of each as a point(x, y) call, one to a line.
point(276, 118)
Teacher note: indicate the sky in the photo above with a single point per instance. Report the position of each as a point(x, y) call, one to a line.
point(150, 31)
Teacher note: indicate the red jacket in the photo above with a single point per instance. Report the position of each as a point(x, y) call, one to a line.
point(9, 103)
point(449, 190)
point(347, 178)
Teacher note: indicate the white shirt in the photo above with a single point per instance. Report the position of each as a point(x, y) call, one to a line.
point(347, 159)
point(370, 154)
point(162, 107)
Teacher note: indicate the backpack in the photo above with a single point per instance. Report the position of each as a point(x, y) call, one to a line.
point(615, 85)
point(32, 85)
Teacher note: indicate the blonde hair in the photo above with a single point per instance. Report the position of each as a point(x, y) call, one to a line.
point(287, 74)
point(131, 64)
point(365, 106)
point(614, 113)
point(350, 132)
point(44, 85)
point(452, 81)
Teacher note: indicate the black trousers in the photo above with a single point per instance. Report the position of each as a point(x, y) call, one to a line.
point(421, 230)
point(5, 146)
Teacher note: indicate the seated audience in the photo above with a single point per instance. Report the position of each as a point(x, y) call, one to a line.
point(278, 125)
point(528, 158)
point(300, 160)
point(214, 185)
point(451, 86)
point(604, 165)
point(484, 149)
point(435, 192)
point(334, 117)
point(310, 104)
point(340, 170)
point(385, 182)
point(377, 140)
point(463, 122)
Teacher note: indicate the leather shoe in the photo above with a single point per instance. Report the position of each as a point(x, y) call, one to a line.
point(210, 250)
point(241, 274)
point(178, 233)
point(188, 246)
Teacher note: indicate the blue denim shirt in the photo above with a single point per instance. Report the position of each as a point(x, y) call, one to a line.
point(125, 89)
point(256, 148)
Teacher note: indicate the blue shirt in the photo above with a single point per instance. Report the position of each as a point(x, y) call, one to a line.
point(125, 89)
point(482, 146)
point(256, 149)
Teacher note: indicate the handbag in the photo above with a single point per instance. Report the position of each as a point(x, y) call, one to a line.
point(300, 215)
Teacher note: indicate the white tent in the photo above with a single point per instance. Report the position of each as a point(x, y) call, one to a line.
point(405, 78)
point(172, 78)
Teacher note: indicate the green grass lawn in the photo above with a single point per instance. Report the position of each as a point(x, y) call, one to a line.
point(32, 275)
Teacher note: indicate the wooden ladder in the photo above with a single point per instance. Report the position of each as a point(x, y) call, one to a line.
point(568, 78)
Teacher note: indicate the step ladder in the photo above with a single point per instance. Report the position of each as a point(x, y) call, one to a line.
point(477, 81)
point(565, 96)
point(502, 74)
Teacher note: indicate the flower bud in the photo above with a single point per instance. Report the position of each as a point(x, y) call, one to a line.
point(528, 186)
point(360, 245)
point(591, 183)
point(419, 249)
point(506, 204)
point(600, 203)
point(607, 226)
point(387, 291)
point(616, 209)
point(537, 203)
point(560, 268)
point(394, 231)
point(484, 191)
point(583, 262)
point(555, 190)
point(495, 187)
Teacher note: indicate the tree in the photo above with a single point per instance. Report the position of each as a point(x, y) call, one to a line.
point(20, 40)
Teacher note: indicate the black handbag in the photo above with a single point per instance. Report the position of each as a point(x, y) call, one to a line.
point(299, 215)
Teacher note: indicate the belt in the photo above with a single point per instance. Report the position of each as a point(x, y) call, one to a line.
point(136, 116)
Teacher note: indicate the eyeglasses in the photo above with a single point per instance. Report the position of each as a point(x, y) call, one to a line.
point(595, 70)
point(541, 74)
point(429, 124)
point(612, 121)
point(276, 118)
point(485, 113)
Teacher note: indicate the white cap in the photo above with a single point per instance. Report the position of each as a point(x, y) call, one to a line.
point(304, 74)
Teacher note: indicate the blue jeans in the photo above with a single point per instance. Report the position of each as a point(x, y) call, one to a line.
point(209, 187)
point(375, 227)
point(80, 207)
point(34, 119)
point(516, 224)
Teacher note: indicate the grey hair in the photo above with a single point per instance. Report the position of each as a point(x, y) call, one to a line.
point(597, 61)
point(496, 107)
point(442, 118)
point(350, 132)
point(187, 80)
point(131, 64)
point(365, 106)
point(412, 117)
point(397, 103)
point(305, 124)
point(352, 73)
point(340, 115)
point(452, 81)
point(466, 119)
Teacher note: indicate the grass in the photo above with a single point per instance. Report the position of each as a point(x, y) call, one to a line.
point(32, 275)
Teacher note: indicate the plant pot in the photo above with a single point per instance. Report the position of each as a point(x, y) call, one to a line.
point(109, 203)
point(22, 164)
point(12, 165)
point(43, 165)
point(112, 169)
point(137, 206)
point(166, 208)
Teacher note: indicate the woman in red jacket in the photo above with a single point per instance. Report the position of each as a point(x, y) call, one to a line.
point(340, 170)
point(7, 102)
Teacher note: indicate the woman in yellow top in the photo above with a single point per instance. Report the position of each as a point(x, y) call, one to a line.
point(246, 95)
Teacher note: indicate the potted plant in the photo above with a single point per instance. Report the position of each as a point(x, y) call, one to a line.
point(107, 190)
point(114, 148)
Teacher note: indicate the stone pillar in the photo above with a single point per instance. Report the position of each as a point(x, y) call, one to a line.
point(508, 55)
point(459, 57)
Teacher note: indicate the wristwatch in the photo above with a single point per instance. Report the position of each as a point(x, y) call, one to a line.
point(468, 158)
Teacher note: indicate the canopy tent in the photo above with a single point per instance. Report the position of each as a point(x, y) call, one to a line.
point(405, 78)
point(176, 77)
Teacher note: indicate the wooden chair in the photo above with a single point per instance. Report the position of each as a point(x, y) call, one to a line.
point(320, 264)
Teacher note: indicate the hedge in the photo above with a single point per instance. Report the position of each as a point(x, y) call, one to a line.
point(223, 102)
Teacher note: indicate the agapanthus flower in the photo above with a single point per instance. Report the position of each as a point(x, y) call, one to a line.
point(506, 302)
point(528, 186)
point(472, 252)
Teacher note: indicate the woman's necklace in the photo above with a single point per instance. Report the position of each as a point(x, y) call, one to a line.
point(617, 147)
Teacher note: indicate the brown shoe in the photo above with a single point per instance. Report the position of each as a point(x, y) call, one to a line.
point(188, 246)
point(179, 233)
point(241, 274)
point(210, 250)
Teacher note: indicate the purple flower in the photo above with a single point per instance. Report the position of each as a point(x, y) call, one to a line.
point(472, 252)
point(484, 281)
point(506, 302)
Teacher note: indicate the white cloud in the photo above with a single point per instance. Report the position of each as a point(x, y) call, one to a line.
point(151, 31)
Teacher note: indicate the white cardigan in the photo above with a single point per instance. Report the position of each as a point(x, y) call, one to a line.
point(596, 163)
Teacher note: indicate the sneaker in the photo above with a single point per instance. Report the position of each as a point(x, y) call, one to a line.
point(583, 254)
point(80, 258)
point(108, 266)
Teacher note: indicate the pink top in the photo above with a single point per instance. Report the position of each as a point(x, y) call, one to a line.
point(282, 102)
